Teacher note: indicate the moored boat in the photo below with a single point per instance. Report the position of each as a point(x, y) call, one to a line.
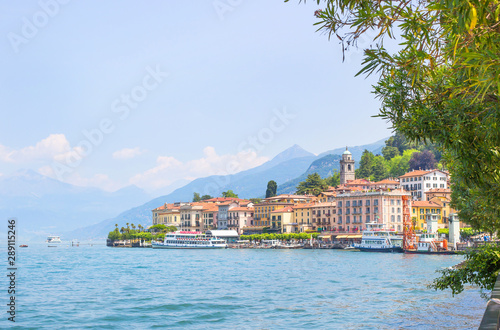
point(377, 239)
point(430, 243)
point(23, 245)
point(189, 240)
point(53, 241)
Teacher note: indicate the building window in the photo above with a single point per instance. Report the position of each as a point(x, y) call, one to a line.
point(375, 202)
point(367, 202)
point(399, 218)
point(368, 218)
point(348, 203)
point(339, 203)
point(392, 218)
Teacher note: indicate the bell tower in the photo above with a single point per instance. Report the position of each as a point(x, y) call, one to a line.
point(346, 167)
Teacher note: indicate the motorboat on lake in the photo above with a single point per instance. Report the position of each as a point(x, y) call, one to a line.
point(53, 241)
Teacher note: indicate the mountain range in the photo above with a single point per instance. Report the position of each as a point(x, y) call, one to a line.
point(287, 168)
point(45, 206)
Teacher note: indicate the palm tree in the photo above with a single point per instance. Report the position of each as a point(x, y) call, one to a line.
point(122, 229)
point(116, 225)
point(133, 226)
point(140, 227)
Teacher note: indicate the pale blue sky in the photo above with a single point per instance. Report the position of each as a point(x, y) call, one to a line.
point(228, 74)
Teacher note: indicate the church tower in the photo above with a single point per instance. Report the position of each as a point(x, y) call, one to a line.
point(346, 167)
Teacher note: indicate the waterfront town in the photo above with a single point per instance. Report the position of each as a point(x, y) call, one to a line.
point(338, 212)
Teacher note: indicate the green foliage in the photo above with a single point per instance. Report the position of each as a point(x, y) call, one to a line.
point(158, 227)
point(205, 197)
point(282, 237)
point(196, 197)
point(379, 168)
point(445, 231)
point(229, 194)
point(114, 235)
point(272, 187)
point(255, 200)
point(399, 165)
point(365, 165)
point(333, 180)
point(390, 152)
point(313, 185)
point(480, 268)
point(467, 232)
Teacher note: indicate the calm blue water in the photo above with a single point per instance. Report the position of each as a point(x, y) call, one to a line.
point(105, 288)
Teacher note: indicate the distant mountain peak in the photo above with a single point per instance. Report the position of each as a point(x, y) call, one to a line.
point(294, 151)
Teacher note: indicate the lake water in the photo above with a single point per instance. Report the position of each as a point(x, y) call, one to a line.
point(107, 288)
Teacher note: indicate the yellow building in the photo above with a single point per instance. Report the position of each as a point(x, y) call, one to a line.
point(420, 210)
point(283, 220)
point(303, 216)
point(262, 212)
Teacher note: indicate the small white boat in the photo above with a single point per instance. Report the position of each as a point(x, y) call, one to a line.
point(189, 240)
point(53, 241)
point(377, 239)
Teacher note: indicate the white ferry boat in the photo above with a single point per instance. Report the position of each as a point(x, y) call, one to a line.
point(189, 240)
point(53, 241)
point(377, 239)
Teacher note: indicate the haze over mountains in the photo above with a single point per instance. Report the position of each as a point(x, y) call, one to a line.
point(47, 206)
point(288, 168)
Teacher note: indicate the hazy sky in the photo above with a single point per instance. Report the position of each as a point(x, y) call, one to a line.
point(112, 93)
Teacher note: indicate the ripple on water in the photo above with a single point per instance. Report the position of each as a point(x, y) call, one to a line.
point(99, 287)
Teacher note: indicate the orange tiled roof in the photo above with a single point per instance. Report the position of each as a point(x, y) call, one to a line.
point(250, 209)
point(385, 181)
point(414, 173)
point(210, 208)
point(282, 210)
point(358, 181)
point(424, 204)
point(303, 206)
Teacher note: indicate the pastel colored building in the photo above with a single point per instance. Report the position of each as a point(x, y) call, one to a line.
point(356, 209)
point(191, 216)
point(302, 214)
point(240, 217)
point(421, 210)
point(283, 218)
point(418, 182)
point(209, 214)
point(324, 216)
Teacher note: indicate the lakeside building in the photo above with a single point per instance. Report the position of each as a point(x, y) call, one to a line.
point(210, 213)
point(303, 217)
point(324, 216)
point(356, 209)
point(438, 192)
point(191, 216)
point(240, 217)
point(327, 196)
point(225, 207)
point(421, 210)
point(419, 182)
point(262, 217)
point(389, 183)
point(284, 220)
point(167, 214)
